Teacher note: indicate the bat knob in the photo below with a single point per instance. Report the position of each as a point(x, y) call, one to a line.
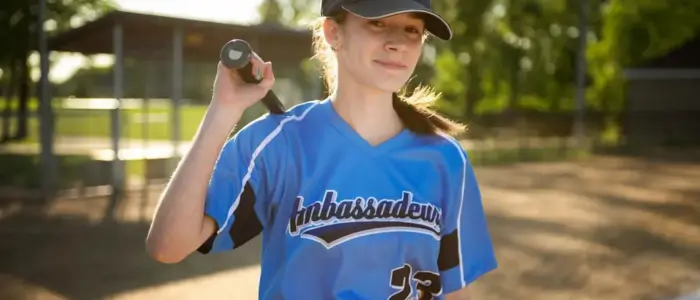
point(235, 54)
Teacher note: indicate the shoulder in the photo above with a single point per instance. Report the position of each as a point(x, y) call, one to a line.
point(268, 123)
point(450, 150)
point(271, 129)
point(300, 110)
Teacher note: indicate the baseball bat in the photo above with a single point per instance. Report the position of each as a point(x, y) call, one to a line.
point(235, 55)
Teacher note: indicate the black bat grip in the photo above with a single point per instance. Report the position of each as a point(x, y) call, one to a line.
point(236, 55)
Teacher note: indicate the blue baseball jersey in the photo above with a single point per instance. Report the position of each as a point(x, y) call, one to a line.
point(343, 219)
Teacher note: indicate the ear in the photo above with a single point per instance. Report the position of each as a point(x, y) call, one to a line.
point(331, 31)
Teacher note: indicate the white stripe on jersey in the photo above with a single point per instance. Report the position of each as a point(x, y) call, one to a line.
point(257, 152)
point(461, 203)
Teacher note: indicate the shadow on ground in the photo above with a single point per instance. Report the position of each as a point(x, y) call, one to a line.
point(72, 250)
point(604, 228)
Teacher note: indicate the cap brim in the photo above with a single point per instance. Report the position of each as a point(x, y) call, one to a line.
point(434, 23)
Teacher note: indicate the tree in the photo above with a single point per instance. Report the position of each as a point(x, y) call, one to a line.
point(18, 24)
point(508, 54)
point(468, 47)
point(631, 33)
point(271, 12)
point(289, 12)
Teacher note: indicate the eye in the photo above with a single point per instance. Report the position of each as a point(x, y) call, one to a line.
point(376, 23)
point(413, 29)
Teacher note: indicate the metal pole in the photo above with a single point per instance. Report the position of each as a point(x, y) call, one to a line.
point(117, 172)
point(144, 127)
point(579, 124)
point(47, 163)
point(176, 93)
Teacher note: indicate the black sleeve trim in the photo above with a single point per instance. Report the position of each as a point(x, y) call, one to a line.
point(207, 245)
point(449, 251)
point(246, 224)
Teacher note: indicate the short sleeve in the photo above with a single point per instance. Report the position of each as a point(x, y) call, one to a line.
point(466, 249)
point(239, 188)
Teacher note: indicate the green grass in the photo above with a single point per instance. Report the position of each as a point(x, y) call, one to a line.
point(33, 103)
point(71, 122)
point(22, 170)
point(97, 123)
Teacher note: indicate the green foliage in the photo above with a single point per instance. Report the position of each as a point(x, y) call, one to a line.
point(20, 28)
point(18, 21)
point(289, 12)
point(447, 81)
point(270, 11)
point(522, 53)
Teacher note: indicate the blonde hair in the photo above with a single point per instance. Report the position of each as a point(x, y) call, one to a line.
point(414, 108)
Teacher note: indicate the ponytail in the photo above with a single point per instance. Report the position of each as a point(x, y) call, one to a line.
point(414, 110)
point(423, 120)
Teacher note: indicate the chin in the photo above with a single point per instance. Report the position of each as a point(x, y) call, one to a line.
point(390, 88)
point(387, 84)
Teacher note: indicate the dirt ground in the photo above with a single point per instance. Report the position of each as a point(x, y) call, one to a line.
point(602, 228)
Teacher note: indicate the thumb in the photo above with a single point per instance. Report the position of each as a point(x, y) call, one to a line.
point(268, 77)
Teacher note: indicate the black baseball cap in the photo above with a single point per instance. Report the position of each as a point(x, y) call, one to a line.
point(375, 9)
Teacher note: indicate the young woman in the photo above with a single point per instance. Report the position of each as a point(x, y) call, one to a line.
point(359, 196)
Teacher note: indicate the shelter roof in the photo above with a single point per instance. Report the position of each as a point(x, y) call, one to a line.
point(151, 36)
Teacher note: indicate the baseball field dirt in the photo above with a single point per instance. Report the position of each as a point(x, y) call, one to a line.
point(606, 227)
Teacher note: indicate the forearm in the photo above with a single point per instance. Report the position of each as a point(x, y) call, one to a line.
point(179, 222)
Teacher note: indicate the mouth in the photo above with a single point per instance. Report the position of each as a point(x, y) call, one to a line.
point(390, 64)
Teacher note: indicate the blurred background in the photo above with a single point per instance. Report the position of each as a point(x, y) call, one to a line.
point(583, 124)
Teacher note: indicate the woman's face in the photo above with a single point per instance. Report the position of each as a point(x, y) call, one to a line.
point(381, 53)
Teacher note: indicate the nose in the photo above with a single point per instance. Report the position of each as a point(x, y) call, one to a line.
point(396, 40)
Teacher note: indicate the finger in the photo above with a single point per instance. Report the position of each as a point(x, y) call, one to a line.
point(268, 77)
point(257, 66)
point(256, 56)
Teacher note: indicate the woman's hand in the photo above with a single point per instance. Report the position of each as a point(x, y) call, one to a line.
point(233, 95)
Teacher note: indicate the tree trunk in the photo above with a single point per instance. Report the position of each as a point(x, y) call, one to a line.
point(555, 102)
point(24, 43)
point(9, 96)
point(514, 82)
point(473, 86)
point(23, 108)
